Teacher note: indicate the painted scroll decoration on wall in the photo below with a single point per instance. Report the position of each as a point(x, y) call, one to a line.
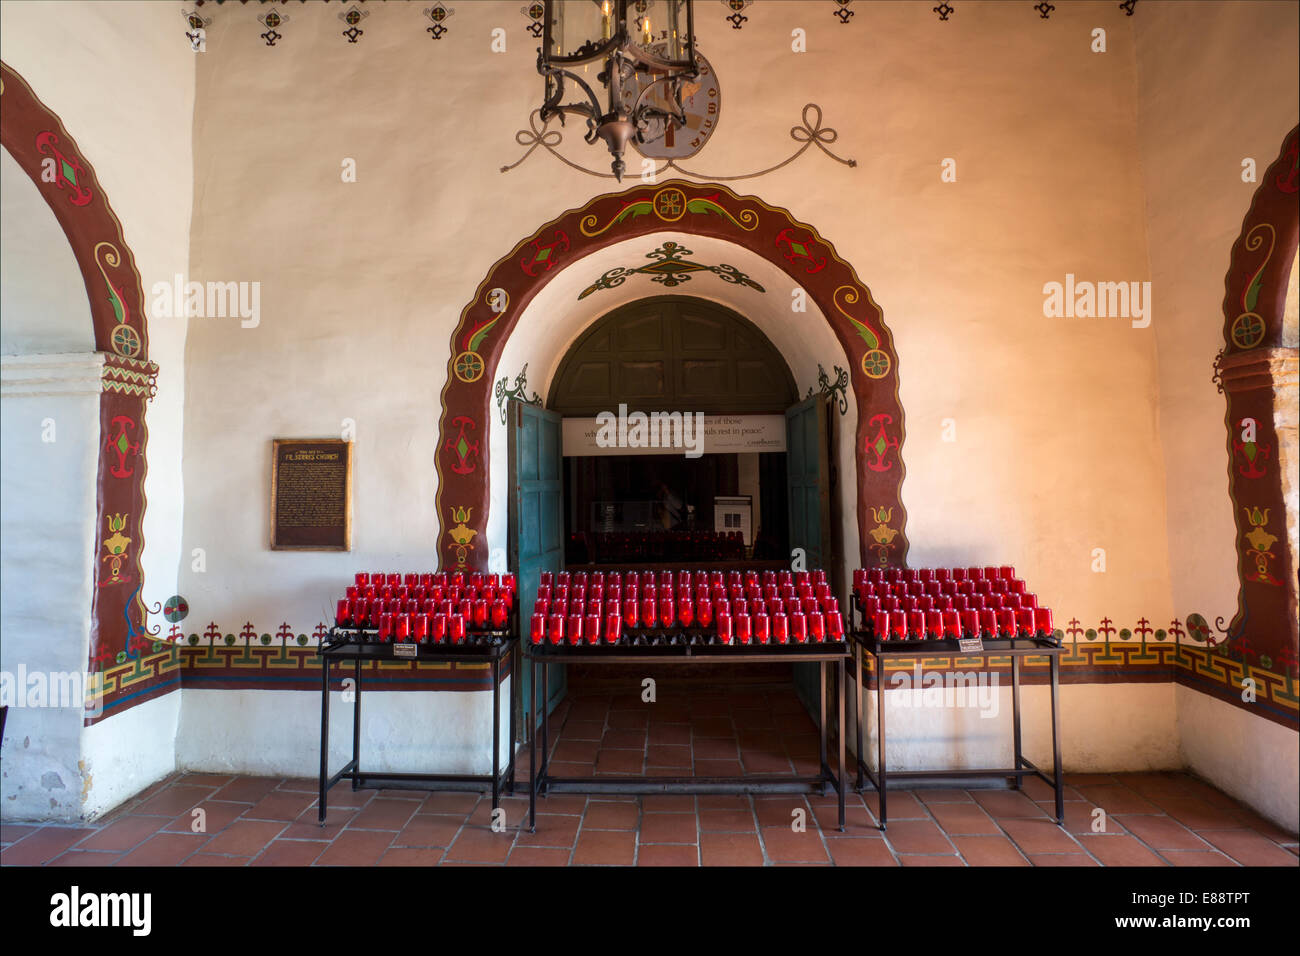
point(1253, 365)
point(120, 635)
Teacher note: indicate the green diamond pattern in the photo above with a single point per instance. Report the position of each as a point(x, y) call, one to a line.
point(462, 447)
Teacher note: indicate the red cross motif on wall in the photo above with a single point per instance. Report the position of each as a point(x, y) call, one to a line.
point(544, 254)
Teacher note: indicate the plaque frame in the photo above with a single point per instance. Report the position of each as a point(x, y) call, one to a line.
point(280, 444)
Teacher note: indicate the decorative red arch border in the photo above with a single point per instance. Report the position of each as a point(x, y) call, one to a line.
point(36, 138)
point(1252, 368)
point(697, 209)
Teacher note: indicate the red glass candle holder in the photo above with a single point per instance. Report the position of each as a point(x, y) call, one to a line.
point(762, 628)
point(361, 578)
point(457, 629)
point(799, 627)
point(704, 613)
point(951, 624)
point(613, 627)
point(834, 628)
point(1006, 622)
point(817, 628)
point(537, 629)
point(723, 621)
point(386, 627)
point(667, 612)
point(439, 624)
point(649, 612)
point(629, 612)
point(402, 628)
point(420, 628)
point(1028, 600)
point(591, 628)
point(970, 622)
point(1025, 621)
point(498, 614)
point(555, 630)
point(933, 624)
point(780, 629)
point(1043, 621)
point(686, 613)
point(573, 629)
point(880, 625)
point(898, 625)
point(343, 613)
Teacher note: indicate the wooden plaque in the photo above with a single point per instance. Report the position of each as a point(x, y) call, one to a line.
point(311, 494)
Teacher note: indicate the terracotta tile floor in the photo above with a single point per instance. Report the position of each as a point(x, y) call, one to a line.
point(1153, 819)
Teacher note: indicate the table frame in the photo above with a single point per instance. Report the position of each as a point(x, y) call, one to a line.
point(1015, 648)
point(685, 653)
point(344, 646)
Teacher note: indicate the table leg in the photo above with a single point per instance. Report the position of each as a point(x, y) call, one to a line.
point(356, 724)
point(857, 711)
point(546, 722)
point(514, 716)
point(1056, 740)
point(496, 734)
point(532, 752)
point(839, 701)
point(324, 735)
point(1015, 714)
point(821, 722)
point(881, 774)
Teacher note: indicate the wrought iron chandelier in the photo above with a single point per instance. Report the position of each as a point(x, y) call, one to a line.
point(643, 63)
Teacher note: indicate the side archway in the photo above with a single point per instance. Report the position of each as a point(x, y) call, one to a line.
point(1257, 371)
point(794, 247)
point(36, 139)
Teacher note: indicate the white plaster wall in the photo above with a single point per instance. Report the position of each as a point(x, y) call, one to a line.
point(1107, 728)
point(47, 533)
point(363, 282)
point(121, 77)
point(127, 752)
point(278, 732)
point(1251, 758)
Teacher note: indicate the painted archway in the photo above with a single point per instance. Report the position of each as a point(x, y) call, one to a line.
point(773, 233)
point(1256, 370)
point(35, 137)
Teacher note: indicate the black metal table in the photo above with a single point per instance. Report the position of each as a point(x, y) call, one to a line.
point(493, 647)
point(866, 642)
point(661, 649)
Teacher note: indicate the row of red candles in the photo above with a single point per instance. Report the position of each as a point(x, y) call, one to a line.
point(428, 579)
point(940, 588)
point(1004, 622)
point(947, 602)
point(745, 578)
point(908, 575)
point(429, 606)
point(797, 628)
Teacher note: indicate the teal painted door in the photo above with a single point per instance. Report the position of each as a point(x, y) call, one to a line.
point(808, 491)
point(536, 525)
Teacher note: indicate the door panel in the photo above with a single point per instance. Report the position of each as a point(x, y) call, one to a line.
point(808, 480)
point(536, 524)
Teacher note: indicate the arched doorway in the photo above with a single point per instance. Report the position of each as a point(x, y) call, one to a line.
point(817, 288)
point(119, 635)
point(676, 355)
